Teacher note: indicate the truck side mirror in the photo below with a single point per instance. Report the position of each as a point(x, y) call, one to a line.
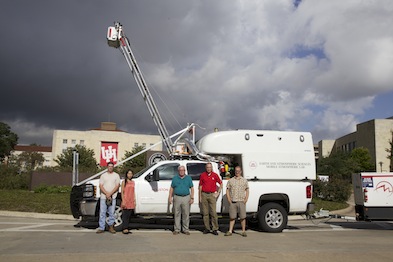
point(149, 178)
point(156, 175)
point(152, 176)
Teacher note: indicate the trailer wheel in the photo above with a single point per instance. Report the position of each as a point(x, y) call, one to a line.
point(272, 218)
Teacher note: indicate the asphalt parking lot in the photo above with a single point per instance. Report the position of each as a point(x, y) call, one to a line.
point(45, 239)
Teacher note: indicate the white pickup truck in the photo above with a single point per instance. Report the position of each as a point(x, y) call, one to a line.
point(279, 166)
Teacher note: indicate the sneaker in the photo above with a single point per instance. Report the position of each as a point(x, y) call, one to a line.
point(112, 229)
point(243, 234)
point(215, 232)
point(99, 231)
point(175, 232)
point(125, 231)
point(187, 233)
point(206, 231)
point(228, 234)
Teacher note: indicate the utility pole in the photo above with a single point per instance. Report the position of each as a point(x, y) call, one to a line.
point(75, 167)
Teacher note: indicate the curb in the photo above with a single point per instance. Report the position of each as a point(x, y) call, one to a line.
point(37, 215)
point(295, 217)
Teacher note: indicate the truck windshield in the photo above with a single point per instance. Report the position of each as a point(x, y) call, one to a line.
point(141, 172)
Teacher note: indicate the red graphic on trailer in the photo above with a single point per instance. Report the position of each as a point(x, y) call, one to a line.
point(384, 186)
point(108, 153)
point(253, 165)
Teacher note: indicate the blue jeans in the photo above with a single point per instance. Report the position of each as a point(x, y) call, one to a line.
point(103, 209)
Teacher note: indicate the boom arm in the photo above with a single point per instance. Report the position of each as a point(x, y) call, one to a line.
point(117, 39)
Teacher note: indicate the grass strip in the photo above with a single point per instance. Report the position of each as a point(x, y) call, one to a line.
point(27, 201)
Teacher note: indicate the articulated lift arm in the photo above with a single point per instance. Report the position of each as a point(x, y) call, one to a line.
point(117, 39)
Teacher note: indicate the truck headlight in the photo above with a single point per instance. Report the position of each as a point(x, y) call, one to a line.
point(89, 191)
point(88, 194)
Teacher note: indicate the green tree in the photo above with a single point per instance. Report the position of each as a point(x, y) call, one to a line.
point(27, 161)
point(361, 160)
point(87, 161)
point(340, 166)
point(390, 152)
point(136, 164)
point(8, 140)
point(30, 160)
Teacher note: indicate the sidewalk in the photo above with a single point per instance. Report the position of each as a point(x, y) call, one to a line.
point(349, 211)
point(36, 215)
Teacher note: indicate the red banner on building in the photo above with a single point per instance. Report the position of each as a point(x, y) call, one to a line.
point(108, 153)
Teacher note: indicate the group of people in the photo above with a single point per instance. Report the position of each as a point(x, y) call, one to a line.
point(181, 195)
point(109, 186)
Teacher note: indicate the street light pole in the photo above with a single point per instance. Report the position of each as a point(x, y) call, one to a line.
point(75, 168)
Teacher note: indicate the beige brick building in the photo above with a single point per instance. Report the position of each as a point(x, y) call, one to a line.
point(107, 142)
point(373, 135)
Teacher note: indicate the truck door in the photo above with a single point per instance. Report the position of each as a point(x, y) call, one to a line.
point(153, 196)
point(194, 170)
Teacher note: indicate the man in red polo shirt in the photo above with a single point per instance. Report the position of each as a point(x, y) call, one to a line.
point(208, 194)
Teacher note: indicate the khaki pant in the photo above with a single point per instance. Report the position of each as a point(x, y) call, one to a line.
point(237, 208)
point(208, 206)
point(181, 210)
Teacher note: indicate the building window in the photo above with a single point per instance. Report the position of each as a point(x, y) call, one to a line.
point(144, 145)
point(135, 144)
point(151, 144)
point(73, 141)
point(82, 142)
point(65, 141)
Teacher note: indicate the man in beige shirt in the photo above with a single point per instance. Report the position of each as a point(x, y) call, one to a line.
point(237, 195)
point(109, 186)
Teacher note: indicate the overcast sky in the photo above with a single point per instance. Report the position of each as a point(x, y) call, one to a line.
point(312, 65)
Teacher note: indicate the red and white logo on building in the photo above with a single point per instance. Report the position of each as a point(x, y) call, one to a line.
point(108, 153)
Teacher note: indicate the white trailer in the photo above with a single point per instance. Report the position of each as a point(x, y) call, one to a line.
point(373, 196)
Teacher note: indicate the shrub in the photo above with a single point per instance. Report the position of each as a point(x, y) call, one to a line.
point(11, 179)
point(337, 190)
point(52, 189)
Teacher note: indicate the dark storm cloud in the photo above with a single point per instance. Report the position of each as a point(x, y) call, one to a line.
point(218, 63)
point(58, 70)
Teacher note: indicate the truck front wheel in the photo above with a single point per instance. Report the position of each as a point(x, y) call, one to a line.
point(272, 218)
point(118, 225)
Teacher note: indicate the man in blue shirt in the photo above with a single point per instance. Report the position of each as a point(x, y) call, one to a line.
point(181, 194)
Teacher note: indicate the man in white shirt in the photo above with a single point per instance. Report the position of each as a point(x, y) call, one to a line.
point(109, 187)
